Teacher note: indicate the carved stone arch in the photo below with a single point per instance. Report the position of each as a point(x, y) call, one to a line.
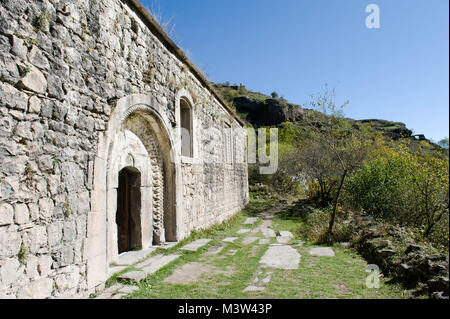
point(139, 134)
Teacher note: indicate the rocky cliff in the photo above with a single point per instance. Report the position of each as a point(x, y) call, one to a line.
point(259, 110)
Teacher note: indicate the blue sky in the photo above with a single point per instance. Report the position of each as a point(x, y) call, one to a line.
point(399, 72)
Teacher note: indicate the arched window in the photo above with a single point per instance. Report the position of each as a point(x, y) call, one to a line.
point(186, 125)
point(228, 147)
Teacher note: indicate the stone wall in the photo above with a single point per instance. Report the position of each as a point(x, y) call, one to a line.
point(394, 250)
point(64, 68)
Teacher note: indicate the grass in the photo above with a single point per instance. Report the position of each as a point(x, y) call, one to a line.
point(342, 276)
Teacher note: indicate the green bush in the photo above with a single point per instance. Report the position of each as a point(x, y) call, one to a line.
point(405, 189)
point(380, 188)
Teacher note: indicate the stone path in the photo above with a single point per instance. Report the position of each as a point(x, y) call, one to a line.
point(143, 266)
point(279, 255)
point(266, 258)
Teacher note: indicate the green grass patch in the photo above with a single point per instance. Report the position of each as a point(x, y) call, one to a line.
point(342, 276)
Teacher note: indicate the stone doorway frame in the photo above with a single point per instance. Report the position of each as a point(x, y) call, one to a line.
point(100, 243)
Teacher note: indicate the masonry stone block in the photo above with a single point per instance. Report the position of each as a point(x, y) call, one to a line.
point(6, 214)
point(21, 214)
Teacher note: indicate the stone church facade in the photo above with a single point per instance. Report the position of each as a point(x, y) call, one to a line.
point(110, 140)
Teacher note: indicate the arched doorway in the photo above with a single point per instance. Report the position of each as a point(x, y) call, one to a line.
point(139, 140)
point(128, 216)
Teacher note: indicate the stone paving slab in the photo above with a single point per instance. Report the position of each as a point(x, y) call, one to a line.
point(113, 288)
point(196, 245)
point(189, 273)
point(281, 257)
point(115, 269)
point(264, 241)
point(148, 261)
point(117, 291)
point(104, 295)
point(249, 240)
point(135, 275)
point(321, 251)
point(230, 239)
point(149, 269)
point(250, 221)
point(283, 239)
point(128, 289)
point(285, 233)
point(268, 232)
point(166, 245)
point(158, 264)
point(243, 231)
point(132, 257)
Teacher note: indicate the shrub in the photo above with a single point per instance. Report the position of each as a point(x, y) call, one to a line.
point(405, 189)
point(379, 188)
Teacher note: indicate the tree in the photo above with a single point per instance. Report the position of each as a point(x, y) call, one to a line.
point(443, 143)
point(333, 149)
point(274, 95)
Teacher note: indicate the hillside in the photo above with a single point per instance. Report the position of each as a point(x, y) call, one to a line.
point(260, 110)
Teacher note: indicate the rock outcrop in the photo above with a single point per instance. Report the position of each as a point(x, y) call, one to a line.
point(270, 112)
